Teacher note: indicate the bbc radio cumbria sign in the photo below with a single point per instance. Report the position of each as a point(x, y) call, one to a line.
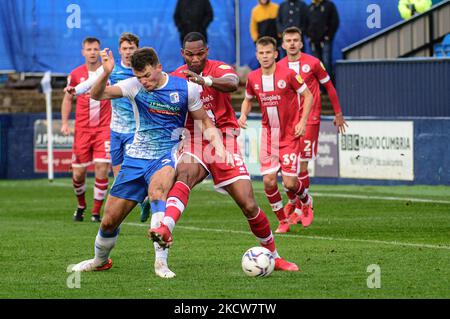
point(377, 150)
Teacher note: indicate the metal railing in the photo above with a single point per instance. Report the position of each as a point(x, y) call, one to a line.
point(413, 37)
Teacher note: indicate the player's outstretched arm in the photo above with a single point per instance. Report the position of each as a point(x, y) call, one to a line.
point(99, 90)
point(246, 107)
point(85, 86)
point(300, 128)
point(226, 84)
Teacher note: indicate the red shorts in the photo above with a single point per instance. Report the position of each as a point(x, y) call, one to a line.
point(285, 157)
point(91, 146)
point(309, 143)
point(222, 173)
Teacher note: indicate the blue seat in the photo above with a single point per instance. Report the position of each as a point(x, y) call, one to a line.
point(439, 50)
point(446, 40)
point(446, 48)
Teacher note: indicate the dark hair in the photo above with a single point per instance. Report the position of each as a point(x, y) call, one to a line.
point(266, 40)
point(194, 36)
point(129, 37)
point(291, 30)
point(143, 57)
point(90, 40)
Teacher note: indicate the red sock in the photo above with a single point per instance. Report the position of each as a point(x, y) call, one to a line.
point(80, 190)
point(291, 196)
point(304, 178)
point(301, 193)
point(177, 200)
point(100, 189)
point(276, 202)
point(261, 229)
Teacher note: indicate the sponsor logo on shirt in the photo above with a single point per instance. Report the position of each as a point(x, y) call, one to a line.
point(207, 101)
point(174, 97)
point(299, 78)
point(160, 108)
point(269, 100)
point(225, 67)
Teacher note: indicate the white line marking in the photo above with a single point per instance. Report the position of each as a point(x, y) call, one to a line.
point(370, 241)
point(336, 195)
point(420, 200)
point(387, 198)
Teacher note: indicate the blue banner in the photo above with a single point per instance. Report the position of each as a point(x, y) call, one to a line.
point(37, 36)
point(47, 34)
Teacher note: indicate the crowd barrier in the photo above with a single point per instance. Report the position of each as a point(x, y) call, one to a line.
point(374, 151)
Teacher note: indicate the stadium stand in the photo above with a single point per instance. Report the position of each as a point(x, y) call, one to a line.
point(415, 37)
point(446, 45)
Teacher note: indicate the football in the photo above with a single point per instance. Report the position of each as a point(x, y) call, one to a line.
point(258, 262)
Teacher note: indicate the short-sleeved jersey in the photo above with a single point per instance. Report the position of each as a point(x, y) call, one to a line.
point(122, 119)
point(313, 73)
point(278, 96)
point(160, 114)
point(89, 113)
point(217, 104)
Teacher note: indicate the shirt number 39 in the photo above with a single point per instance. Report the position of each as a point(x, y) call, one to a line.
point(289, 159)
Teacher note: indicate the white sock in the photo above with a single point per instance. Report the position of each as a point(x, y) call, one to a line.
point(160, 253)
point(169, 222)
point(275, 254)
point(104, 243)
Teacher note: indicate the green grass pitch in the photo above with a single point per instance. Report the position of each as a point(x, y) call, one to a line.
point(404, 230)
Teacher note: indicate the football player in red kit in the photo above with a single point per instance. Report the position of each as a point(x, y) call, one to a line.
point(279, 92)
point(91, 137)
point(216, 80)
point(313, 72)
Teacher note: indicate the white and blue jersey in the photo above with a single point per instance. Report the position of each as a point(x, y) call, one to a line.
point(160, 117)
point(122, 117)
point(123, 123)
point(160, 114)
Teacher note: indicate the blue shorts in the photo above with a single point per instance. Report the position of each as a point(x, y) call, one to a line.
point(119, 144)
point(134, 176)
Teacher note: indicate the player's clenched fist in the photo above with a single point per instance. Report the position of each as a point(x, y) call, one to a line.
point(107, 60)
point(69, 90)
point(65, 130)
point(194, 77)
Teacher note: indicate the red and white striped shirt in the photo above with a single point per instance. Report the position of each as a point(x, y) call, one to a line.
point(89, 113)
point(278, 96)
